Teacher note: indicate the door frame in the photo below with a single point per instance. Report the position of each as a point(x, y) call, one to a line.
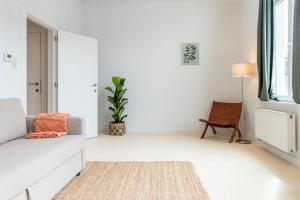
point(52, 62)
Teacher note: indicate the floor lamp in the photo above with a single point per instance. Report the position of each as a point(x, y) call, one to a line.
point(243, 70)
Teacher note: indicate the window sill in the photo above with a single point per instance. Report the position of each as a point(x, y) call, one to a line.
point(282, 102)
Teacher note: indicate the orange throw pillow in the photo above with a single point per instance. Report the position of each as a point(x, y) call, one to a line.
point(49, 125)
point(56, 122)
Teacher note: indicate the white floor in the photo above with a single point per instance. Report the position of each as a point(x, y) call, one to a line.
point(227, 171)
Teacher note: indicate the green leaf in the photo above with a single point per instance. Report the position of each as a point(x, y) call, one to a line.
point(119, 88)
point(122, 81)
point(124, 100)
point(122, 93)
point(116, 80)
point(122, 118)
point(109, 89)
point(114, 117)
point(123, 104)
point(112, 109)
point(121, 112)
point(112, 102)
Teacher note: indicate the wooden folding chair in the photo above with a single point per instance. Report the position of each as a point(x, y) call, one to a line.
point(224, 115)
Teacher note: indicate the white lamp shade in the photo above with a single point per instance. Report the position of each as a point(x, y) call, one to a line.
point(243, 70)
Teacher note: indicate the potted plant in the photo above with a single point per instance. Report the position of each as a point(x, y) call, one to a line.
point(118, 102)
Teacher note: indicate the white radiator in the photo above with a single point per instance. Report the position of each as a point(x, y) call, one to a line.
point(276, 128)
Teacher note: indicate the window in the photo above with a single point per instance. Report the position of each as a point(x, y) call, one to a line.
point(283, 36)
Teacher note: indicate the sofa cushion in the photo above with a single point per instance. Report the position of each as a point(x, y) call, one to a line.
point(12, 120)
point(24, 162)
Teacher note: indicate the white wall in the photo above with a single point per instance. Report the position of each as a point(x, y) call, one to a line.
point(141, 41)
point(60, 14)
point(249, 15)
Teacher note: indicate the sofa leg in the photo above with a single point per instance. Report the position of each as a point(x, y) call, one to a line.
point(78, 174)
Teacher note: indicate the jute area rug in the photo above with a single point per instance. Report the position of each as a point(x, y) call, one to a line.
point(135, 181)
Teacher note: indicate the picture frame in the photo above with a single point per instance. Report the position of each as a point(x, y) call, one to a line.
point(189, 53)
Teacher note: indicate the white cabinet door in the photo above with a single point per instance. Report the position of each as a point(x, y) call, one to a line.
point(77, 78)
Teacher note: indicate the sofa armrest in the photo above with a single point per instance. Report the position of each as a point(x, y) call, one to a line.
point(29, 123)
point(75, 125)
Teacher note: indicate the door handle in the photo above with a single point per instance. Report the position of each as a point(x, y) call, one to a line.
point(95, 85)
point(33, 83)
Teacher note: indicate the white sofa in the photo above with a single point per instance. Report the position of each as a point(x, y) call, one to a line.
point(36, 169)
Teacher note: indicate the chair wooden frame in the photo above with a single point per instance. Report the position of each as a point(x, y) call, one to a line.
point(224, 115)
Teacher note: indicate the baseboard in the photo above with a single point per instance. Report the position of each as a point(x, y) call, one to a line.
point(285, 156)
point(102, 130)
point(154, 130)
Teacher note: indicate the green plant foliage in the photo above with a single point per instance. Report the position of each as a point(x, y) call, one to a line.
point(117, 100)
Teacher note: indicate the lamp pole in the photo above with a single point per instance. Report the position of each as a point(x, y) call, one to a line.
point(242, 140)
point(242, 112)
point(243, 70)
point(242, 89)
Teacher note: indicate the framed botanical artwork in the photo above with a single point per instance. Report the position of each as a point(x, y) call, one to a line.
point(190, 53)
